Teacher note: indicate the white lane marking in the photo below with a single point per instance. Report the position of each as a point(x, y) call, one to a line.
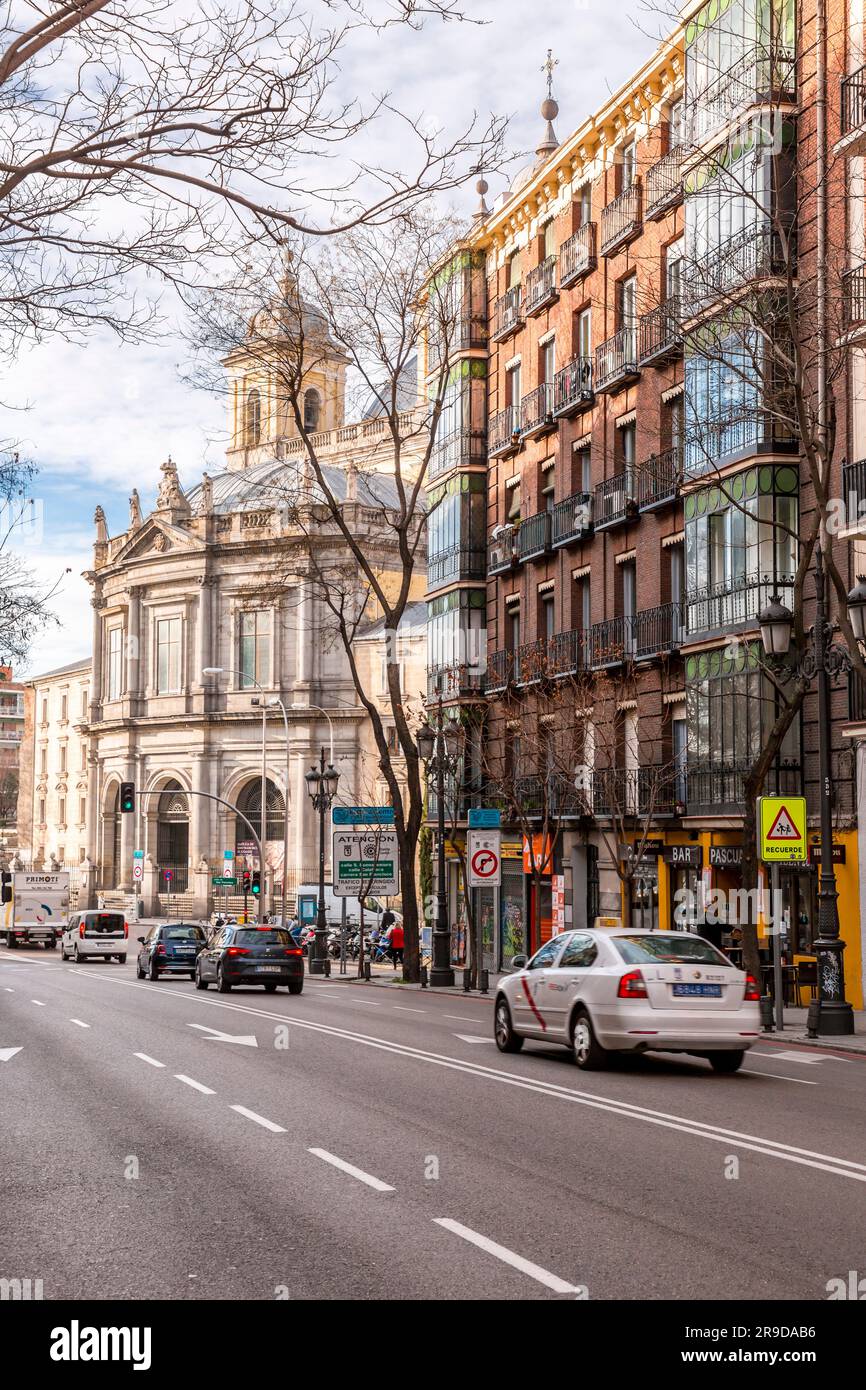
point(196, 1085)
point(151, 1061)
point(7, 1053)
point(9, 989)
point(40, 1002)
point(404, 1009)
point(508, 1257)
point(249, 1040)
point(79, 1022)
point(777, 1076)
point(353, 1172)
point(472, 1038)
point(259, 1119)
point(461, 1018)
point(792, 1057)
point(770, 1148)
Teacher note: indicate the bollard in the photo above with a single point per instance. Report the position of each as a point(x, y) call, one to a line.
point(366, 970)
point(466, 984)
point(483, 981)
point(423, 977)
point(767, 1016)
point(327, 967)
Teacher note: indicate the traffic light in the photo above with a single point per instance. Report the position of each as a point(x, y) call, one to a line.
point(127, 796)
point(257, 883)
point(245, 881)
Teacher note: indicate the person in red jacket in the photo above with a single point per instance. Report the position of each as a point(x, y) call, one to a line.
point(395, 944)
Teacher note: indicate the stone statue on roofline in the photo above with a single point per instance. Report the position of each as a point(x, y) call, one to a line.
point(101, 526)
point(170, 497)
point(134, 510)
point(205, 496)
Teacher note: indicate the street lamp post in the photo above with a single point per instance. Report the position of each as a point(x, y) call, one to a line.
point(273, 704)
point(831, 1013)
point(267, 905)
point(322, 787)
point(440, 749)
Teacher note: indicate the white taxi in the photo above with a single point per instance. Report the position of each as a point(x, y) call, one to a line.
point(630, 991)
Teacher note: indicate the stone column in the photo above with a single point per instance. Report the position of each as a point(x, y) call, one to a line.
point(127, 835)
point(133, 649)
point(200, 820)
point(203, 643)
point(303, 640)
point(96, 682)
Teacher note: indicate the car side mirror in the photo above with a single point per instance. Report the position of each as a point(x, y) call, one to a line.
point(519, 963)
point(141, 939)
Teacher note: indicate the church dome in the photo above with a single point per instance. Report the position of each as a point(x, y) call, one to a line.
point(280, 482)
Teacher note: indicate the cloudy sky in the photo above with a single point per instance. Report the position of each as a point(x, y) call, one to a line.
point(99, 419)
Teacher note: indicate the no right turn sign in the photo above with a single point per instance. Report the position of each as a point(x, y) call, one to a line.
point(484, 859)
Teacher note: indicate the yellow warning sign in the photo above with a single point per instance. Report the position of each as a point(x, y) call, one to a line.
point(782, 829)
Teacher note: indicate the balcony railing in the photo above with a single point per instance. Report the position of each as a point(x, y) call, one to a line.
point(503, 430)
point(550, 795)
point(854, 490)
point(664, 184)
point(714, 607)
point(460, 449)
point(854, 296)
point(507, 313)
point(854, 101)
point(533, 538)
point(456, 563)
point(577, 255)
point(572, 519)
point(856, 698)
point(615, 792)
point(659, 478)
point(567, 653)
point(621, 219)
point(530, 662)
point(763, 75)
point(468, 331)
point(499, 673)
point(656, 631)
point(572, 386)
point(660, 333)
point(739, 432)
point(536, 409)
point(754, 253)
point(714, 788)
point(502, 553)
point(609, 643)
point(616, 360)
point(541, 286)
point(614, 501)
point(452, 682)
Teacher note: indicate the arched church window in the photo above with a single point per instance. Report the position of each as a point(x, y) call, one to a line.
point(249, 803)
point(312, 409)
point(253, 421)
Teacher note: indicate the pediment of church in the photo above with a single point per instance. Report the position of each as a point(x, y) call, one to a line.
point(156, 538)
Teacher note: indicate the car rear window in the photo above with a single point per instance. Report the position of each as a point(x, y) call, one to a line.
point(104, 921)
point(665, 948)
point(264, 936)
point(183, 934)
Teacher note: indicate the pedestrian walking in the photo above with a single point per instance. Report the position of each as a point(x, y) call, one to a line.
point(395, 944)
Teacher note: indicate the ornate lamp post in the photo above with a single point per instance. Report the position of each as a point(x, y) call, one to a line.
point(322, 787)
point(440, 749)
point(831, 1013)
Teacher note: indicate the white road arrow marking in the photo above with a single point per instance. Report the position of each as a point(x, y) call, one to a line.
point(7, 1053)
point(473, 1038)
point(791, 1057)
point(248, 1040)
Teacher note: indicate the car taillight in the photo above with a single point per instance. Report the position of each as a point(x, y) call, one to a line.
point(81, 929)
point(160, 950)
point(632, 986)
point(126, 929)
point(237, 951)
point(293, 951)
point(752, 991)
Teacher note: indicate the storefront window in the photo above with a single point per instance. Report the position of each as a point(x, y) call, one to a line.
point(511, 912)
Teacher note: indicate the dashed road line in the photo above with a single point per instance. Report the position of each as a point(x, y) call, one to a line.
point(40, 1002)
point(404, 1009)
point(79, 1022)
point(508, 1257)
point(344, 1167)
point(777, 1076)
point(461, 1018)
point(258, 1119)
point(196, 1085)
point(151, 1061)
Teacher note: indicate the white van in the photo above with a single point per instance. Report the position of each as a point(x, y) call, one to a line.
point(95, 934)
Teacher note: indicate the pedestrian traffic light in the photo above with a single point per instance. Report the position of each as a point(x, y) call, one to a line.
point(246, 880)
point(257, 883)
point(127, 796)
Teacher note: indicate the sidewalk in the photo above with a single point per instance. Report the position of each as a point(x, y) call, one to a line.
point(385, 977)
point(795, 1032)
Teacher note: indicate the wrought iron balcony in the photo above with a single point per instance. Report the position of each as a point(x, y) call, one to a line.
point(609, 643)
point(656, 631)
point(621, 219)
point(664, 184)
point(572, 386)
point(577, 255)
point(456, 563)
point(616, 361)
point(530, 662)
point(853, 96)
point(622, 793)
point(567, 653)
point(499, 673)
point(854, 491)
point(536, 410)
point(755, 253)
point(503, 431)
point(533, 538)
point(854, 297)
point(718, 607)
point(572, 519)
point(542, 796)
point(659, 478)
point(454, 682)
point(502, 553)
point(614, 501)
point(660, 334)
point(507, 313)
point(717, 788)
point(541, 286)
point(764, 75)
point(460, 449)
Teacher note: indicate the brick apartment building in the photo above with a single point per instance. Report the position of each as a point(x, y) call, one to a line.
point(645, 489)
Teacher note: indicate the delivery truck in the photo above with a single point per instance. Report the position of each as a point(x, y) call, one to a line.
point(35, 907)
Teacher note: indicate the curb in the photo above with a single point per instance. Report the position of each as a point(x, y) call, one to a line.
point(823, 1044)
point(405, 985)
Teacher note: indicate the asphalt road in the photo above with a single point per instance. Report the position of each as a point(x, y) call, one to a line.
point(374, 1143)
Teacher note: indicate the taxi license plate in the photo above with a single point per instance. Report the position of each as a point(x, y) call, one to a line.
point(264, 969)
point(706, 991)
